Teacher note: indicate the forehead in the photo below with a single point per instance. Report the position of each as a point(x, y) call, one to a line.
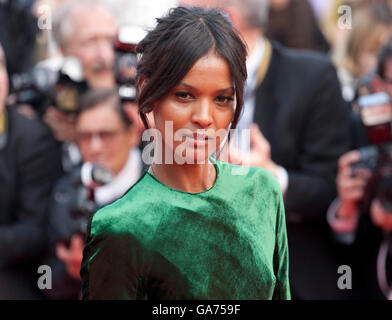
point(209, 70)
point(102, 116)
point(90, 20)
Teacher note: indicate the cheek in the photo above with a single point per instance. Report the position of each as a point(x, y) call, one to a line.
point(167, 115)
point(85, 152)
point(85, 57)
point(223, 119)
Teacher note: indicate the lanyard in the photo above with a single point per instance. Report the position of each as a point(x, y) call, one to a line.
point(264, 64)
point(3, 129)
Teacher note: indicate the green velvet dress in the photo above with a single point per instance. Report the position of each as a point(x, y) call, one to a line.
point(228, 242)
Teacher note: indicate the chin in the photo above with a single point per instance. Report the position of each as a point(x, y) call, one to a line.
point(192, 156)
point(102, 82)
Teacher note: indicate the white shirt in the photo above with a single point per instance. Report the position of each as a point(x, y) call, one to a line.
point(127, 177)
point(242, 141)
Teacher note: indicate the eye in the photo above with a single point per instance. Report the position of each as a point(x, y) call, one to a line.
point(184, 96)
point(224, 99)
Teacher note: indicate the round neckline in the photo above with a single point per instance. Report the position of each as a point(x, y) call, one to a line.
point(214, 163)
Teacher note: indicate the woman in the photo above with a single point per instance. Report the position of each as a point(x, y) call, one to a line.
point(190, 228)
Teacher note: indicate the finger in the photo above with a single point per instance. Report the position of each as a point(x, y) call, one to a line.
point(77, 242)
point(363, 173)
point(345, 172)
point(349, 158)
point(376, 213)
point(352, 195)
point(257, 139)
point(347, 185)
point(62, 252)
point(352, 183)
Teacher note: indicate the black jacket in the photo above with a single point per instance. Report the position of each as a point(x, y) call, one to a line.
point(30, 163)
point(301, 112)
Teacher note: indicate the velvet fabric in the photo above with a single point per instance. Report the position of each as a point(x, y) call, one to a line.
point(228, 242)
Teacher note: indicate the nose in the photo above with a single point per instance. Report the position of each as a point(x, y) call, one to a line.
point(95, 144)
point(105, 51)
point(202, 113)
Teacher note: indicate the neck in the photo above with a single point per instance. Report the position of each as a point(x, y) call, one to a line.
point(192, 178)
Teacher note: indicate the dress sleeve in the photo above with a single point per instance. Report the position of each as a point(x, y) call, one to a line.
point(111, 268)
point(281, 255)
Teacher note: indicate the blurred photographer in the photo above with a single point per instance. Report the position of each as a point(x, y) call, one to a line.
point(29, 166)
point(361, 216)
point(85, 30)
point(85, 33)
point(88, 31)
point(112, 163)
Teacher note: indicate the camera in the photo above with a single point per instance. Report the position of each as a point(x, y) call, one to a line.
point(43, 87)
point(377, 159)
point(376, 116)
point(125, 62)
point(74, 201)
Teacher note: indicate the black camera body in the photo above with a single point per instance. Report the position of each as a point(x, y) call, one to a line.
point(73, 203)
point(125, 62)
point(377, 159)
point(43, 87)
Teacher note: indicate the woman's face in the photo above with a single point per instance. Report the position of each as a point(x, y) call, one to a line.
point(199, 110)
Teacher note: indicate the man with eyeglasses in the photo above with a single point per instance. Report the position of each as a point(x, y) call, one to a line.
point(85, 30)
point(108, 139)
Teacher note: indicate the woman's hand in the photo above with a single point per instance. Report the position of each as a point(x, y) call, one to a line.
point(62, 125)
point(380, 217)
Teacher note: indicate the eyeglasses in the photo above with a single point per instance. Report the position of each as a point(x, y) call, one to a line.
point(105, 136)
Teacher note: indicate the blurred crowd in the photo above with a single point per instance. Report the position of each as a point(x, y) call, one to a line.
point(319, 89)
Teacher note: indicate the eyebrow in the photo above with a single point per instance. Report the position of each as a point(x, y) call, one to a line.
point(220, 90)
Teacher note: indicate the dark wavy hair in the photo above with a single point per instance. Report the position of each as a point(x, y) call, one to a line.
point(109, 96)
point(180, 39)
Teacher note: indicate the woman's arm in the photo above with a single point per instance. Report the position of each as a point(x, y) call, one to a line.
point(111, 268)
point(281, 255)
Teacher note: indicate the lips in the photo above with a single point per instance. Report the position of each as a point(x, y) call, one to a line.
point(198, 140)
point(198, 137)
